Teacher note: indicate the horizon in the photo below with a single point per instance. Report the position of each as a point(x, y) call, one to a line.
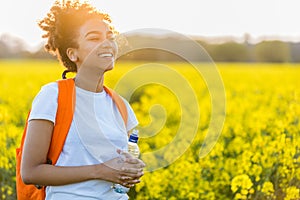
point(261, 20)
point(208, 39)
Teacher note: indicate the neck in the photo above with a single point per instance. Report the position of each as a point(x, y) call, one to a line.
point(90, 80)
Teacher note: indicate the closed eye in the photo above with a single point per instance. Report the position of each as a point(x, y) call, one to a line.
point(94, 38)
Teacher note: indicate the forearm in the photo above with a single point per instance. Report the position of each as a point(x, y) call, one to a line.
point(33, 171)
point(46, 174)
point(115, 170)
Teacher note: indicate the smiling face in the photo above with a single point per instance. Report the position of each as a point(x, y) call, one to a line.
point(96, 46)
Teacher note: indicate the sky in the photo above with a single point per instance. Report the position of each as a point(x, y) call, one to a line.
point(209, 18)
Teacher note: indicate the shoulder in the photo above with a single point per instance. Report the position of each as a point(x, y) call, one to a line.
point(50, 87)
point(44, 105)
point(47, 92)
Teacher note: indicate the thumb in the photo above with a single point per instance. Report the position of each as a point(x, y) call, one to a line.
point(119, 151)
point(126, 154)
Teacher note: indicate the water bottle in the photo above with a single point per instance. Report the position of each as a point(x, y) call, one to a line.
point(134, 150)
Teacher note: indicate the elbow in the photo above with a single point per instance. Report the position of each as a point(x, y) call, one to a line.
point(27, 177)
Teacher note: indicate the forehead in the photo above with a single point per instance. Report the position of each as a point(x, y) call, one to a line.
point(93, 25)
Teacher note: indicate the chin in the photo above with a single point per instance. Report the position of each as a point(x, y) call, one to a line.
point(109, 68)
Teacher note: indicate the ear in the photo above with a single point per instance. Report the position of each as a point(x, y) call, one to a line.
point(72, 54)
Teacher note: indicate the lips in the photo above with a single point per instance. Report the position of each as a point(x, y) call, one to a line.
point(105, 55)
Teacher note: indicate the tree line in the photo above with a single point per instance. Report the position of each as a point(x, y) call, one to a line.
point(230, 51)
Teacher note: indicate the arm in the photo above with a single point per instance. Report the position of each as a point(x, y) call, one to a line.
point(35, 171)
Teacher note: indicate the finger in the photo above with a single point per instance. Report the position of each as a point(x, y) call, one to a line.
point(132, 160)
point(133, 181)
point(138, 175)
point(133, 174)
point(138, 163)
point(126, 154)
point(129, 181)
point(127, 170)
point(125, 178)
point(140, 166)
point(128, 185)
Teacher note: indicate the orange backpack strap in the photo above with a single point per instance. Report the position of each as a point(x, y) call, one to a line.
point(119, 102)
point(66, 106)
point(64, 115)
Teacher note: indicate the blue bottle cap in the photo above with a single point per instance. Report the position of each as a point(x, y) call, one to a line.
point(134, 136)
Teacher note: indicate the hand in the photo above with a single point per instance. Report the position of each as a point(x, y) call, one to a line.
point(132, 170)
point(125, 170)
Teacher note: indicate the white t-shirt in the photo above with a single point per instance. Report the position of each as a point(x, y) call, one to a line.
point(96, 132)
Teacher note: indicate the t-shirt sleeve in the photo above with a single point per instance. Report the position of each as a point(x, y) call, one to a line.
point(132, 120)
point(44, 105)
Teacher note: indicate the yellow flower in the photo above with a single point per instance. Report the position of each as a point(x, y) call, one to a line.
point(241, 181)
point(239, 196)
point(267, 188)
point(292, 193)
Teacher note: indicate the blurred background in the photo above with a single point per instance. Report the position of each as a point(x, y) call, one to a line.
point(230, 31)
point(255, 87)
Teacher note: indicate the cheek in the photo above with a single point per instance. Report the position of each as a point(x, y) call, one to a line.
point(115, 47)
point(87, 52)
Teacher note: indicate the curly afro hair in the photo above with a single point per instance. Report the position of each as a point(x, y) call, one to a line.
point(61, 26)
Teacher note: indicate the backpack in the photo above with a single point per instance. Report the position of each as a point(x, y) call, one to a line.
point(64, 116)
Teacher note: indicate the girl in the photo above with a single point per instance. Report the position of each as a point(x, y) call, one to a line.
point(90, 162)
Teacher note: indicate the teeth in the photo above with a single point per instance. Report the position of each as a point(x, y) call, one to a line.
point(104, 55)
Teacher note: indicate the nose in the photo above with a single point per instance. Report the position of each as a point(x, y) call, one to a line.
point(110, 45)
point(107, 44)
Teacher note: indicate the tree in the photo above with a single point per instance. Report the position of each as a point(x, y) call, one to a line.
point(229, 52)
point(272, 51)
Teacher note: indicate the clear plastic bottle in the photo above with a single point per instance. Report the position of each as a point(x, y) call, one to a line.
point(134, 150)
